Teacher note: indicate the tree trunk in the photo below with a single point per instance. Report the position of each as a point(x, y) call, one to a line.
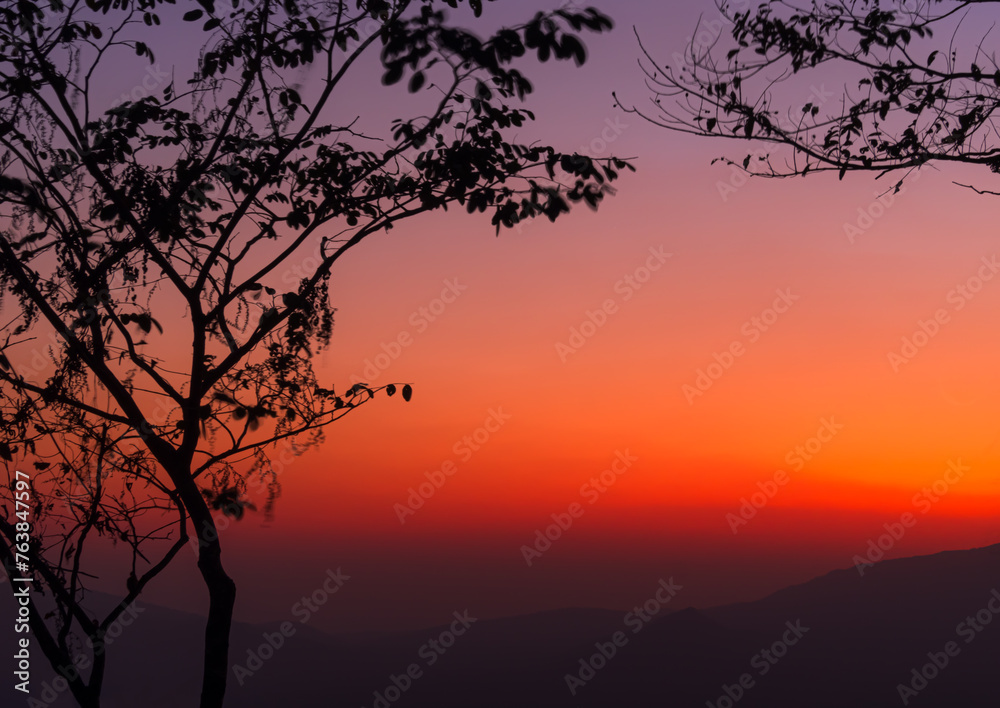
point(221, 588)
point(84, 695)
point(221, 601)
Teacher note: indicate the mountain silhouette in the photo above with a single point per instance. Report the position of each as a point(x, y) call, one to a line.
point(921, 632)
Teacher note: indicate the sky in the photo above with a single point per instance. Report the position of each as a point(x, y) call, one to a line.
point(735, 384)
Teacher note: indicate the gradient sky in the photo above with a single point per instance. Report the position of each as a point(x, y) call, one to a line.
point(495, 348)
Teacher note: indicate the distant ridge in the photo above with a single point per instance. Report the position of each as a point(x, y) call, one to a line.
point(845, 640)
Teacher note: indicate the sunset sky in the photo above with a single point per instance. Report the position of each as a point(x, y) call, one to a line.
point(493, 356)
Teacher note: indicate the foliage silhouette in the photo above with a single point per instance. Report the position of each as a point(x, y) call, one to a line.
point(911, 98)
point(151, 357)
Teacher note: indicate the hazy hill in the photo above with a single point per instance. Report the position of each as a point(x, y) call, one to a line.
point(857, 639)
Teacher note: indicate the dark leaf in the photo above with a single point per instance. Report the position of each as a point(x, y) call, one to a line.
point(575, 48)
point(393, 74)
point(416, 81)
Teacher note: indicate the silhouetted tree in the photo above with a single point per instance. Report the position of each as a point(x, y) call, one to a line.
point(909, 97)
point(151, 354)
